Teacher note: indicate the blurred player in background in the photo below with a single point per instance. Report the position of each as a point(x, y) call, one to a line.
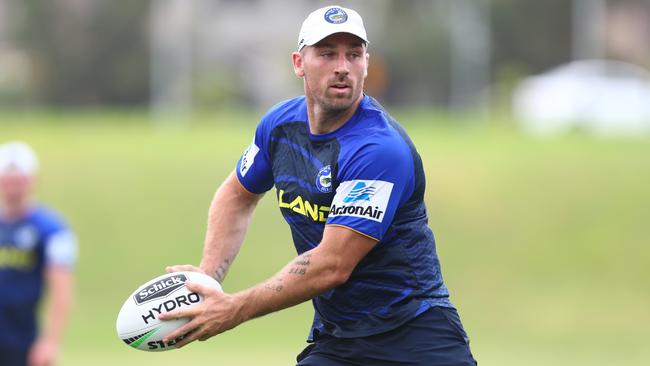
point(37, 253)
point(350, 184)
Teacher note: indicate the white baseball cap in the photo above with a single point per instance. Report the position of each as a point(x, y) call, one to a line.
point(18, 156)
point(329, 20)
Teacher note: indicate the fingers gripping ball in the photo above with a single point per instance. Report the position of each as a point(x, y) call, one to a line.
point(138, 323)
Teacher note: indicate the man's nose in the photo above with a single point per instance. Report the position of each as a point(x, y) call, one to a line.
point(342, 65)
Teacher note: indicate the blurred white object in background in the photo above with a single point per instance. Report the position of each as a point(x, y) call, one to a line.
point(599, 96)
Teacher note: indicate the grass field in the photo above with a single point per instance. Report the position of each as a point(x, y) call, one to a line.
point(544, 243)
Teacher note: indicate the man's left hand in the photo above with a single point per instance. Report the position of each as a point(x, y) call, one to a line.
point(43, 353)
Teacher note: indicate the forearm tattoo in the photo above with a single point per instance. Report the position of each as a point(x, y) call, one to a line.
point(221, 271)
point(298, 267)
point(274, 284)
point(301, 264)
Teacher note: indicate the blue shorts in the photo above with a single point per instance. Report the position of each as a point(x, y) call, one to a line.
point(10, 357)
point(434, 338)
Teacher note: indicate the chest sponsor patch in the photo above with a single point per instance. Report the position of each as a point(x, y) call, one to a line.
point(248, 158)
point(367, 199)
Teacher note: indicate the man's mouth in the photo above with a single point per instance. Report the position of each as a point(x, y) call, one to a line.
point(340, 86)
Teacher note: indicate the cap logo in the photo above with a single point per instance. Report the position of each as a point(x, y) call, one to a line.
point(336, 16)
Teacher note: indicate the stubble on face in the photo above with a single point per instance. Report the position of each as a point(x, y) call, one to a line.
point(15, 191)
point(335, 70)
point(329, 105)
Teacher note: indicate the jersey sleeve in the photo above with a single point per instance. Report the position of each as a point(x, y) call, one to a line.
point(60, 242)
point(374, 183)
point(254, 166)
point(61, 249)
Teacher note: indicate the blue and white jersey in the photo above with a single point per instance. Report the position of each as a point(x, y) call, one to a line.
point(368, 177)
point(27, 247)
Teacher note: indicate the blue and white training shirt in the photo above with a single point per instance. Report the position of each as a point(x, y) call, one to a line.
point(27, 247)
point(366, 176)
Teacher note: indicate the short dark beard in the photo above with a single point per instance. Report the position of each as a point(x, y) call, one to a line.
point(331, 112)
point(330, 116)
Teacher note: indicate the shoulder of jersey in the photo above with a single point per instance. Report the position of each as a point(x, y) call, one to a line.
point(377, 133)
point(291, 110)
point(376, 126)
point(47, 218)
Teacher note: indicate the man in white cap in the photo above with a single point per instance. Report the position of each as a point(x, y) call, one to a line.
point(37, 252)
point(350, 184)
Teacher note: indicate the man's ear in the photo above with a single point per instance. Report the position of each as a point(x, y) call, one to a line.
point(298, 64)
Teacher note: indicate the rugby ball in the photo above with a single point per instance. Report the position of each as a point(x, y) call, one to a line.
point(137, 322)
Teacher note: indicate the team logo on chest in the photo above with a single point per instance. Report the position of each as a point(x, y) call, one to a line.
point(324, 179)
point(26, 237)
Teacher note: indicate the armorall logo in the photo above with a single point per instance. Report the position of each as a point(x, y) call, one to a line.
point(160, 288)
point(360, 192)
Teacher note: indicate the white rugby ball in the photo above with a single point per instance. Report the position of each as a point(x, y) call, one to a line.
point(137, 322)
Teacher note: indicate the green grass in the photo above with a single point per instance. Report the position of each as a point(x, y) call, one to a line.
point(544, 243)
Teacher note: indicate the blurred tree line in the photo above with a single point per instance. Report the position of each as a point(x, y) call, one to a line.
point(84, 52)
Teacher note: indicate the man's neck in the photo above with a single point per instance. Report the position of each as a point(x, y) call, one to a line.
point(323, 121)
point(14, 212)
